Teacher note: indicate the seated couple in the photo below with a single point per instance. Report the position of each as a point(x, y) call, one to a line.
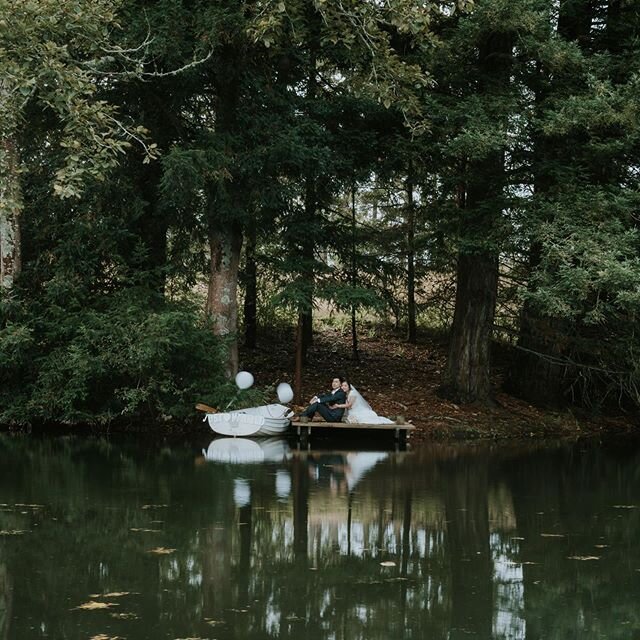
point(343, 404)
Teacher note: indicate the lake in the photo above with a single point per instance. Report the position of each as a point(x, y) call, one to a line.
point(233, 539)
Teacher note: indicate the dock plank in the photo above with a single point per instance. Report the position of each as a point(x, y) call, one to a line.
point(405, 426)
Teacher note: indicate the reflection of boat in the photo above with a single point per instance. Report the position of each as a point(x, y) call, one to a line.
point(247, 451)
point(268, 420)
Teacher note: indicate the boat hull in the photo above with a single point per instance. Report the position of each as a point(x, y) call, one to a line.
point(268, 420)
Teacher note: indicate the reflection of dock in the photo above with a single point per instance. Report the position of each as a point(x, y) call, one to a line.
point(399, 431)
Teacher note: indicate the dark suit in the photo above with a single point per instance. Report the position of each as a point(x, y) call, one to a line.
point(330, 415)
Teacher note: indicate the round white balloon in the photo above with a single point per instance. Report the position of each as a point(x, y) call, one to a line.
point(285, 392)
point(244, 380)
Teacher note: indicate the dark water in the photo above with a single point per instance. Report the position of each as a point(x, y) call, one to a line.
point(443, 542)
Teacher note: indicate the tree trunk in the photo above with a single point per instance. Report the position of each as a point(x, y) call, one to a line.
point(354, 276)
point(308, 257)
point(467, 375)
point(222, 303)
point(467, 378)
point(153, 225)
point(411, 267)
point(538, 373)
point(250, 290)
point(10, 212)
point(227, 202)
point(297, 375)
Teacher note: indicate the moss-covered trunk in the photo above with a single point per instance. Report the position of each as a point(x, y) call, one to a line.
point(10, 211)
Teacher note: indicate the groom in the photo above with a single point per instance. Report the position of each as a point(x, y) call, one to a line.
point(323, 403)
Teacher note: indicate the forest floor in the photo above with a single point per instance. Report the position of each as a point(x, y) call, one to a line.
point(398, 378)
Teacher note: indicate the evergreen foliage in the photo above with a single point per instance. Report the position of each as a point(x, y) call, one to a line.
point(472, 165)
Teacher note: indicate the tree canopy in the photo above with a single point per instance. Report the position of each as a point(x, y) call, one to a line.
point(175, 173)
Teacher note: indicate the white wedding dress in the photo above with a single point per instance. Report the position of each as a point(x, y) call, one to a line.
point(361, 411)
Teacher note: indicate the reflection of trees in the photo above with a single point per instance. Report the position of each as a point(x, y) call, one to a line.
point(572, 492)
point(5, 602)
point(468, 540)
point(456, 521)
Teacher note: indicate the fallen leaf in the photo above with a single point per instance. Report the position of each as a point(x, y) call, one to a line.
point(92, 605)
point(154, 506)
point(125, 616)
point(552, 535)
point(13, 532)
point(161, 551)
point(144, 530)
point(103, 636)
point(388, 563)
point(584, 557)
point(625, 506)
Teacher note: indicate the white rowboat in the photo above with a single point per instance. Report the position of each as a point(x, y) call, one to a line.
point(268, 420)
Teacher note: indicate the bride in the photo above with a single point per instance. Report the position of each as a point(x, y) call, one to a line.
point(358, 410)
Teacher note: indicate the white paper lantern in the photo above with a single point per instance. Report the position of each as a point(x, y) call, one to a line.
point(285, 392)
point(244, 380)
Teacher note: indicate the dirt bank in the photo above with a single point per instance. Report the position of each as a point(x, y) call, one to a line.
point(399, 378)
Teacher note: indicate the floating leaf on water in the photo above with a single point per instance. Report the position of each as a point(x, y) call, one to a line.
point(92, 605)
point(625, 506)
point(399, 579)
point(584, 557)
point(553, 535)
point(161, 551)
point(104, 636)
point(213, 622)
point(13, 532)
point(516, 538)
point(154, 506)
point(388, 563)
point(601, 546)
point(125, 616)
point(138, 530)
point(529, 562)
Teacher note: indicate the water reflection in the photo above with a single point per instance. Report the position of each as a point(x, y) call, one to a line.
point(5, 602)
point(247, 450)
point(259, 540)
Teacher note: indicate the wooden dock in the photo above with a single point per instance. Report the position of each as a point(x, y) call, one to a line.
point(400, 430)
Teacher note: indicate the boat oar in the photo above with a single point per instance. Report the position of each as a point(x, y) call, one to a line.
point(206, 408)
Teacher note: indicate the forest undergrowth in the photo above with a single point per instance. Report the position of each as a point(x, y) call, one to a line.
point(398, 378)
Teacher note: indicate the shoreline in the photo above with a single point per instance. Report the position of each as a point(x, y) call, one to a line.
point(396, 378)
